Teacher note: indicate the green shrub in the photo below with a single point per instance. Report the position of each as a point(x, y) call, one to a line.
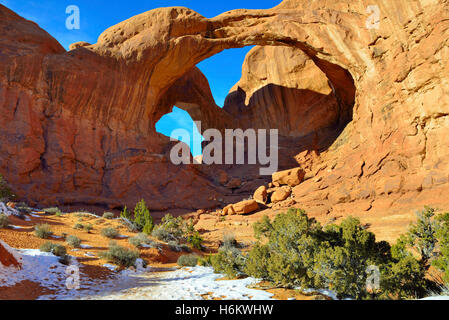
point(149, 226)
point(174, 246)
point(257, 262)
point(297, 251)
point(142, 217)
point(288, 257)
point(6, 193)
point(54, 248)
point(163, 235)
point(422, 235)
point(43, 231)
point(108, 215)
point(229, 262)
point(53, 210)
point(22, 207)
point(121, 256)
point(195, 240)
point(190, 260)
point(142, 221)
point(110, 233)
point(141, 239)
point(73, 241)
point(205, 261)
point(88, 227)
point(404, 279)
point(4, 221)
point(442, 234)
point(171, 229)
point(126, 214)
point(78, 226)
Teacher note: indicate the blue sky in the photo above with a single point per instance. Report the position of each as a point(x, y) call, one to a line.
point(222, 70)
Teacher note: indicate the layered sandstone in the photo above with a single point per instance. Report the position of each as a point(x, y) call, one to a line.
point(364, 110)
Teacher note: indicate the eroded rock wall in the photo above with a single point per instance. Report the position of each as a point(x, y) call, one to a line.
point(78, 126)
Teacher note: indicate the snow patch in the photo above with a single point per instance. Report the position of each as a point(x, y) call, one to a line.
point(8, 210)
point(16, 227)
point(182, 284)
point(437, 298)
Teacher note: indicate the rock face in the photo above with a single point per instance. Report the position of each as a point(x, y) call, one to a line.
point(364, 110)
point(7, 259)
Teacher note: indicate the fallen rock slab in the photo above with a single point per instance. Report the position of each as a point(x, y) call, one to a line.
point(280, 194)
point(292, 177)
point(243, 207)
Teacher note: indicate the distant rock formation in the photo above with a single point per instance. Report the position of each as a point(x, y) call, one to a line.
point(364, 111)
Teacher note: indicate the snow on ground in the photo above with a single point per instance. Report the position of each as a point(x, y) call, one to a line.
point(37, 266)
point(16, 227)
point(437, 298)
point(145, 284)
point(181, 284)
point(8, 210)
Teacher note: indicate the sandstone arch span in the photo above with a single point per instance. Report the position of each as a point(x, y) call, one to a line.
point(92, 143)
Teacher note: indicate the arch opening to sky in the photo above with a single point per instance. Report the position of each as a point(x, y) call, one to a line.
point(223, 71)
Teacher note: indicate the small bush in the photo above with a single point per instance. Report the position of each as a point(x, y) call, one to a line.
point(4, 221)
point(172, 229)
point(120, 256)
point(229, 241)
point(142, 217)
point(6, 193)
point(88, 227)
point(148, 228)
point(110, 233)
point(73, 241)
point(53, 210)
point(205, 261)
point(174, 246)
point(126, 214)
point(54, 248)
point(185, 248)
point(163, 235)
point(190, 260)
point(43, 231)
point(195, 240)
point(108, 215)
point(22, 207)
point(141, 239)
point(78, 226)
point(130, 225)
point(442, 260)
point(229, 262)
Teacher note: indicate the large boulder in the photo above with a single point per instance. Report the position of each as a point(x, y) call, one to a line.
point(243, 207)
point(280, 194)
point(291, 177)
point(261, 195)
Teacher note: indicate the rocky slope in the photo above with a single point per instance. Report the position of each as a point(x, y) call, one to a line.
point(364, 110)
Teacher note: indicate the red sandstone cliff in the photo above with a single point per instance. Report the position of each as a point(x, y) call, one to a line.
point(366, 109)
